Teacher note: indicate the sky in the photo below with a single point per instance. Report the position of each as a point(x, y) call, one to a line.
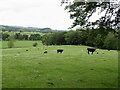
point(34, 13)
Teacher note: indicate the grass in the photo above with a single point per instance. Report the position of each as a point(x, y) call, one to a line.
point(72, 69)
point(20, 44)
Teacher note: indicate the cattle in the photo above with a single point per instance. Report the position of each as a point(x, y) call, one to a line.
point(50, 83)
point(91, 50)
point(45, 51)
point(59, 50)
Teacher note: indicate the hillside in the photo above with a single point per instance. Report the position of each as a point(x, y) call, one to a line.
point(27, 29)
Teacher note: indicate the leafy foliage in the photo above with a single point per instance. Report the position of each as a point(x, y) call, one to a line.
point(82, 11)
point(5, 36)
point(54, 39)
point(21, 36)
point(72, 37)
point(110, 42)
point(87, 37)
point(11, 41)
point(34, 37)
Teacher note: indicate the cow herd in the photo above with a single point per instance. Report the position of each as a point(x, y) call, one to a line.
point(58, 51)
point(92, 50)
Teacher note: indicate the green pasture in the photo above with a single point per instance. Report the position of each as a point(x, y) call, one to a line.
point(25, 32)
point(74, 68)
point(29, 33)
point(20, 44)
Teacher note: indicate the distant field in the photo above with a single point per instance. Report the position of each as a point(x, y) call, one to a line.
point(32, 33)
point(72, 69)
point(28, 33)
point(20, 44)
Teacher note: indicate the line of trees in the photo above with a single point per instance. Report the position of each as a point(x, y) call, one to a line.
point(105, 27)
point(19, 36)
point(89, 37)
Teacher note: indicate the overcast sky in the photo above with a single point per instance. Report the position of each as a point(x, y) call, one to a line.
point(34, 13)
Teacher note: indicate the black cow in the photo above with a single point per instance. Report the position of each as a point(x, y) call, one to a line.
point(91, 50)
point(45, 51)
point(59, 50)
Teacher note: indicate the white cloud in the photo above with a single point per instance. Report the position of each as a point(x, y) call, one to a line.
point(38, 13)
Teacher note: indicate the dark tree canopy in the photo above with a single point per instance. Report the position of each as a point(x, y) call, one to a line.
point(82, 10)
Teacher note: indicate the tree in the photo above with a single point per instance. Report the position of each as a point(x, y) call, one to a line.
point(99, 41)
point(11, 41)
point(119, 41)
point(57, 38)
point(5, 36)
point(83, 10)
point(46, 39)
point(72, 38)
point(19, 36)
point(35, 37)
point(83, 36)
point(110, 41)
point(25, 36)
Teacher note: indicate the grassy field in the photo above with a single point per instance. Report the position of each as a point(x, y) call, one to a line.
point(20, 44)
point(74, 68)
point(28, 33)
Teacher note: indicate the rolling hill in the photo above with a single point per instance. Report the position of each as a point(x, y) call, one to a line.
point(27, 29)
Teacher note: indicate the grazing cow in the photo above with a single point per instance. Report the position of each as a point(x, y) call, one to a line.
point(59, 50)
point(91, 50)
point(45, 51)
point(50, 83)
